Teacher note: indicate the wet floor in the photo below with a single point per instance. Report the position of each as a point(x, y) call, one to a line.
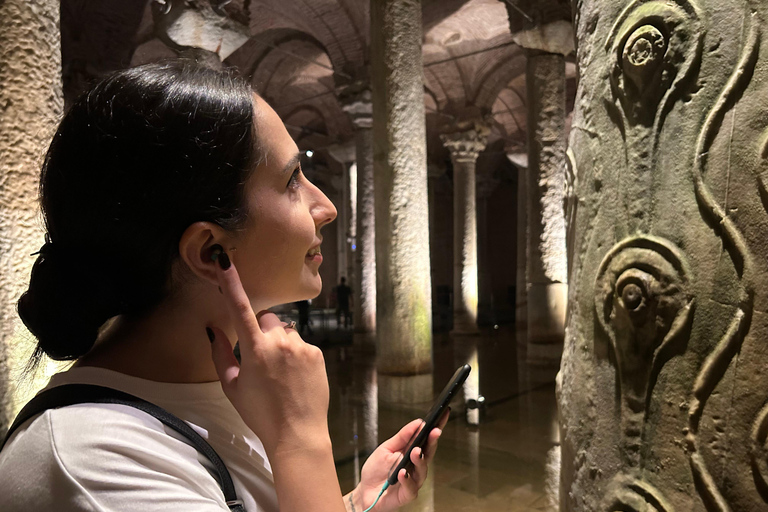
point(493, 458)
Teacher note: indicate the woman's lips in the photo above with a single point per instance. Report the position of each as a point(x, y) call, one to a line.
point(315, 255)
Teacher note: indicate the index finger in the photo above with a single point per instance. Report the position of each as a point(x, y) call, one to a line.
point(237, 302)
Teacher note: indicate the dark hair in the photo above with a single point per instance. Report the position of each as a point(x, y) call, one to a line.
point(136, 160)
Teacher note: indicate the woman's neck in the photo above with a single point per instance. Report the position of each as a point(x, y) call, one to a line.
point(167, 345)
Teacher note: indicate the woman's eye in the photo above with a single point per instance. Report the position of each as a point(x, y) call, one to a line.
point(295, 177)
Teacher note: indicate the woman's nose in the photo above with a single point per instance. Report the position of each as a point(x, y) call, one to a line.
point(324, 212)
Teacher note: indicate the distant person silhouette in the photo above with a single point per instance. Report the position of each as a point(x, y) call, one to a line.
point(343, 296)
point(303, 306)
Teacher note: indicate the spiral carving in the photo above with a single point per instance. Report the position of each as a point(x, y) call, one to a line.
point(643, 54)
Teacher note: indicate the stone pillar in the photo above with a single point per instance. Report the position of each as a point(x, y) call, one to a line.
point(486, 306)
point(356, 102)
point(30, 106)
point(464, 147)
point(521, 293)
point(403, 291)
point(546, 253)
point(345, 154)
point(662, 394)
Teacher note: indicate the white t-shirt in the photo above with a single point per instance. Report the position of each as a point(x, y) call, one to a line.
point(104, 457)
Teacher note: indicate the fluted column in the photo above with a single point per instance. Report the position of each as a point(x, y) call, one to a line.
point(30, 105)
point(356, 102)
point(464, 146)
point(403, 291)
point(546, 253)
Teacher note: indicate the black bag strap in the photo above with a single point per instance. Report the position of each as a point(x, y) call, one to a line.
point(71, 394)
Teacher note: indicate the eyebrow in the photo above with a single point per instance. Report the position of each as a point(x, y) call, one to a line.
point(291, 165)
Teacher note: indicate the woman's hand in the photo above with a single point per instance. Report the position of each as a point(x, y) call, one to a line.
point(280, 387)
point(280, 390)
point(376, 470)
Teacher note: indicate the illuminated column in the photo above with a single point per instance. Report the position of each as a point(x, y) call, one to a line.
point(546, 253)
point(464, 147)
point(30, 106)
point(356, 102)
point(345, 155)
point(403, 291)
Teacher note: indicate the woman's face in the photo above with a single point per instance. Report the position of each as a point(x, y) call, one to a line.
point(275, 254)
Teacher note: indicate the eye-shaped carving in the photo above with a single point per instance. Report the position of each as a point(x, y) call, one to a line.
point(643, 302)
point(632, 287)
point(653, 45)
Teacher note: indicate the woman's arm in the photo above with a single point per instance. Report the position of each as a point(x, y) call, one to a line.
point(280, 389)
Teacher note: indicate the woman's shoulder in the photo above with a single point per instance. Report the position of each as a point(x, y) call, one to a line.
point(103, 457)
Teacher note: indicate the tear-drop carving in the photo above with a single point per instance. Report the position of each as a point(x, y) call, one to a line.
point(655, 45)
point(644, 302)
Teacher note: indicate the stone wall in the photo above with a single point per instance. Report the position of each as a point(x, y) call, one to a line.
point(663, 393)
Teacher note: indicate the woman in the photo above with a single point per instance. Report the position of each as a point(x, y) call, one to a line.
point(175, 208)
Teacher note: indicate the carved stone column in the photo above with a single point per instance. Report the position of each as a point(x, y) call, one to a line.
point(464, 147)
point(662, 392)
point(30, 106)
point(403, 291)
point(356, 102)
point(546, 254)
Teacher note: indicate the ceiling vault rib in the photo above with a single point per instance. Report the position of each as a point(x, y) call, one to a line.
point(469, 54)
point(309, 61)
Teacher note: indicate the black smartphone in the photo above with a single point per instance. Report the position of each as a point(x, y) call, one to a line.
point(430, 421)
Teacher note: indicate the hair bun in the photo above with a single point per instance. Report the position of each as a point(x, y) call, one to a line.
point(63, 307)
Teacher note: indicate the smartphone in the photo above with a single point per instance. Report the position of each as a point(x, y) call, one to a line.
point(430, 421)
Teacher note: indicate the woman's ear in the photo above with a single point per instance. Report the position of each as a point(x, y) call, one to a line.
point(196, 248)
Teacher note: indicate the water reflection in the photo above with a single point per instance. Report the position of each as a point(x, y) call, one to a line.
point(491, 457)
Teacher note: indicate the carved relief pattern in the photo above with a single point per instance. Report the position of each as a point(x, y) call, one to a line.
point(644, 287)
point(644, 303)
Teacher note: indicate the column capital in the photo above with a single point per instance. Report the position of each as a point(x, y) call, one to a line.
point(183, 25)
point(356, 101)
point(465, 145)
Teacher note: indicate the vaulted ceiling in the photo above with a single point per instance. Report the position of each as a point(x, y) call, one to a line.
point(299, 52)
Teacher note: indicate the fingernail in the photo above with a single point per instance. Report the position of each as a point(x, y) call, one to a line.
point(224, 262)
point(210, 334)
point(216, 250)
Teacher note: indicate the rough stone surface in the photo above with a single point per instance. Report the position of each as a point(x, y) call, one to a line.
point(357, 104)
point(403, 292)
point(546, 251)
point(464, 147)
point(662, 390)
point(30, 106)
